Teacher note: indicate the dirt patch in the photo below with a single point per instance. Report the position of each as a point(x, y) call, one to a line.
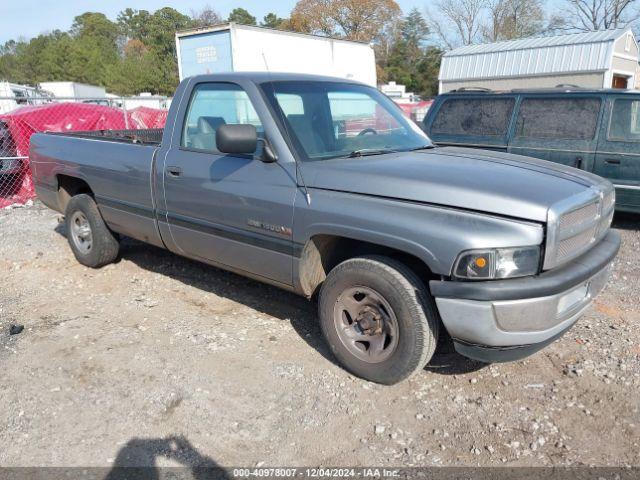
point(157, 351)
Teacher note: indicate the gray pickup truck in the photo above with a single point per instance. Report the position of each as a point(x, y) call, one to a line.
point(320, 186)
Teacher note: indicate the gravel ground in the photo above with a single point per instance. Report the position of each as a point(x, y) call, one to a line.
point(159, 354)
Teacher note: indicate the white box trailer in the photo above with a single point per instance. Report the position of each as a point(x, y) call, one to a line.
point(145, 99)
point(73, 90)
point(242, 48)
point(13, 95)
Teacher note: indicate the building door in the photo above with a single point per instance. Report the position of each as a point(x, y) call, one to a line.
point(620, 81)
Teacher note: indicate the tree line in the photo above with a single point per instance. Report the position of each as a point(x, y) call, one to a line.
point(136, 52)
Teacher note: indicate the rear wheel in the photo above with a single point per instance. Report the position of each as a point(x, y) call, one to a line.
point(378, 318)
point(91, 241)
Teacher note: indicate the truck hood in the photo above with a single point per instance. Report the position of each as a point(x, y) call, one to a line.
point(481, 180)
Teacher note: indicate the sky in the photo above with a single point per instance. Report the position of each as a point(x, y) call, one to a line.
point(28, 18)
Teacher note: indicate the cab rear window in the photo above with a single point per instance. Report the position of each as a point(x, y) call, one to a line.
point(473, 116)
point(559, 118)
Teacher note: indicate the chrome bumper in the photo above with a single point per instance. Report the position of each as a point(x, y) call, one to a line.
point(507, 320)
point(518, 322)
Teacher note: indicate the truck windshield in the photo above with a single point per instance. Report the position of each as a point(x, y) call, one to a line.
point(331, 120)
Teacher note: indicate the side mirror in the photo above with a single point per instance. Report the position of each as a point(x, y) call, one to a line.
point(236, 138)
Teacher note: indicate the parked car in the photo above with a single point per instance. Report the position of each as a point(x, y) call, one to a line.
point(9, 164)
point(397, 238)
point(594, 130)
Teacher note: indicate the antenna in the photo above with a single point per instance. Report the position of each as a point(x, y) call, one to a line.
point(284, 123)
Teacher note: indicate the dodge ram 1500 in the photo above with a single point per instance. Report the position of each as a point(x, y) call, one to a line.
point(321, 186)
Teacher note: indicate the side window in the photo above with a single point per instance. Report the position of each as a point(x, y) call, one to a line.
point(558, 118)
point(213, 105)
point(473, 116)
point(625, 121)
point(290, 103)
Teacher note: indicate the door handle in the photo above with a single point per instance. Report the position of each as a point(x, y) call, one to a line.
point(612, 161)
point(173, 171)
point(578, 162)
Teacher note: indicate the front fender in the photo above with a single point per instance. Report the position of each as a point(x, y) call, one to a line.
point(435, 234)
point(378, 238)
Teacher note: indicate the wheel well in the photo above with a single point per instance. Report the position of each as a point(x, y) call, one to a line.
point(68, 187)
point(323, 252)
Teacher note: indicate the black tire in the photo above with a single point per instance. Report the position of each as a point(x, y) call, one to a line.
point(103, 247)
point(413, 307)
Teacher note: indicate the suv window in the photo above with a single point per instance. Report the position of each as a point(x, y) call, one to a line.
point(213, 105)
point(560, 118)
point(625, 120)
point(473, 116)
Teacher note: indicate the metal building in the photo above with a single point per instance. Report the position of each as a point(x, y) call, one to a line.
point(602, 59)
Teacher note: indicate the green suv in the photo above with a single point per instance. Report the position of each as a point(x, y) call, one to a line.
point(594, 130)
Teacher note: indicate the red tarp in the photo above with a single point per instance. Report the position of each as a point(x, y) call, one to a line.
point(145, 117)
point(62, 117)
point(411, 107)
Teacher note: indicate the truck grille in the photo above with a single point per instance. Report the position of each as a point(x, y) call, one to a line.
point(575, 225)
point(575, 243)
point(579, 216)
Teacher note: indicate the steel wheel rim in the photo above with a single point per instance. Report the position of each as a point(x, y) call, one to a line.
point(366, 324)
point(81, 232)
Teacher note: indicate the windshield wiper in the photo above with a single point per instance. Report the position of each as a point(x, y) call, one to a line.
point(363, 152)
point(423, 147)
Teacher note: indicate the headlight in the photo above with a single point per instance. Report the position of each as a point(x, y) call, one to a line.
point(497, 263)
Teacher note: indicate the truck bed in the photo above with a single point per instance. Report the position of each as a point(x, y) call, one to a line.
point(147, 136)
point(119, 167)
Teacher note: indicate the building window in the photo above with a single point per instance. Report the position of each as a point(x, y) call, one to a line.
point(627, 44)
point(558, 118)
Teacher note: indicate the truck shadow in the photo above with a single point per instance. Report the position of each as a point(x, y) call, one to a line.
point(263, 298)
point(446, 361)
point(452, 363)
point(626, 221)
point(137, 459)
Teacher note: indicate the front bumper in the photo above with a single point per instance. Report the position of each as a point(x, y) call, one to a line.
point(506, 320)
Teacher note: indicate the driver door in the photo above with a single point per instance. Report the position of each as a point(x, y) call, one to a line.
point(233, 210)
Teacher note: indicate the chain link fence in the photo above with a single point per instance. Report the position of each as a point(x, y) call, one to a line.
point(20, 118)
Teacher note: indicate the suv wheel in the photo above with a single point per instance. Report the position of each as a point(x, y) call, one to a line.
point(378, 318)
point(91, 241)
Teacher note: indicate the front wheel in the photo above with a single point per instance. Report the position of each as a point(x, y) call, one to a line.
point(378, 318)
point(91, 241)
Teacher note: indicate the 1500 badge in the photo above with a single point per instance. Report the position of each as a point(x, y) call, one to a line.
point(271, 228)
